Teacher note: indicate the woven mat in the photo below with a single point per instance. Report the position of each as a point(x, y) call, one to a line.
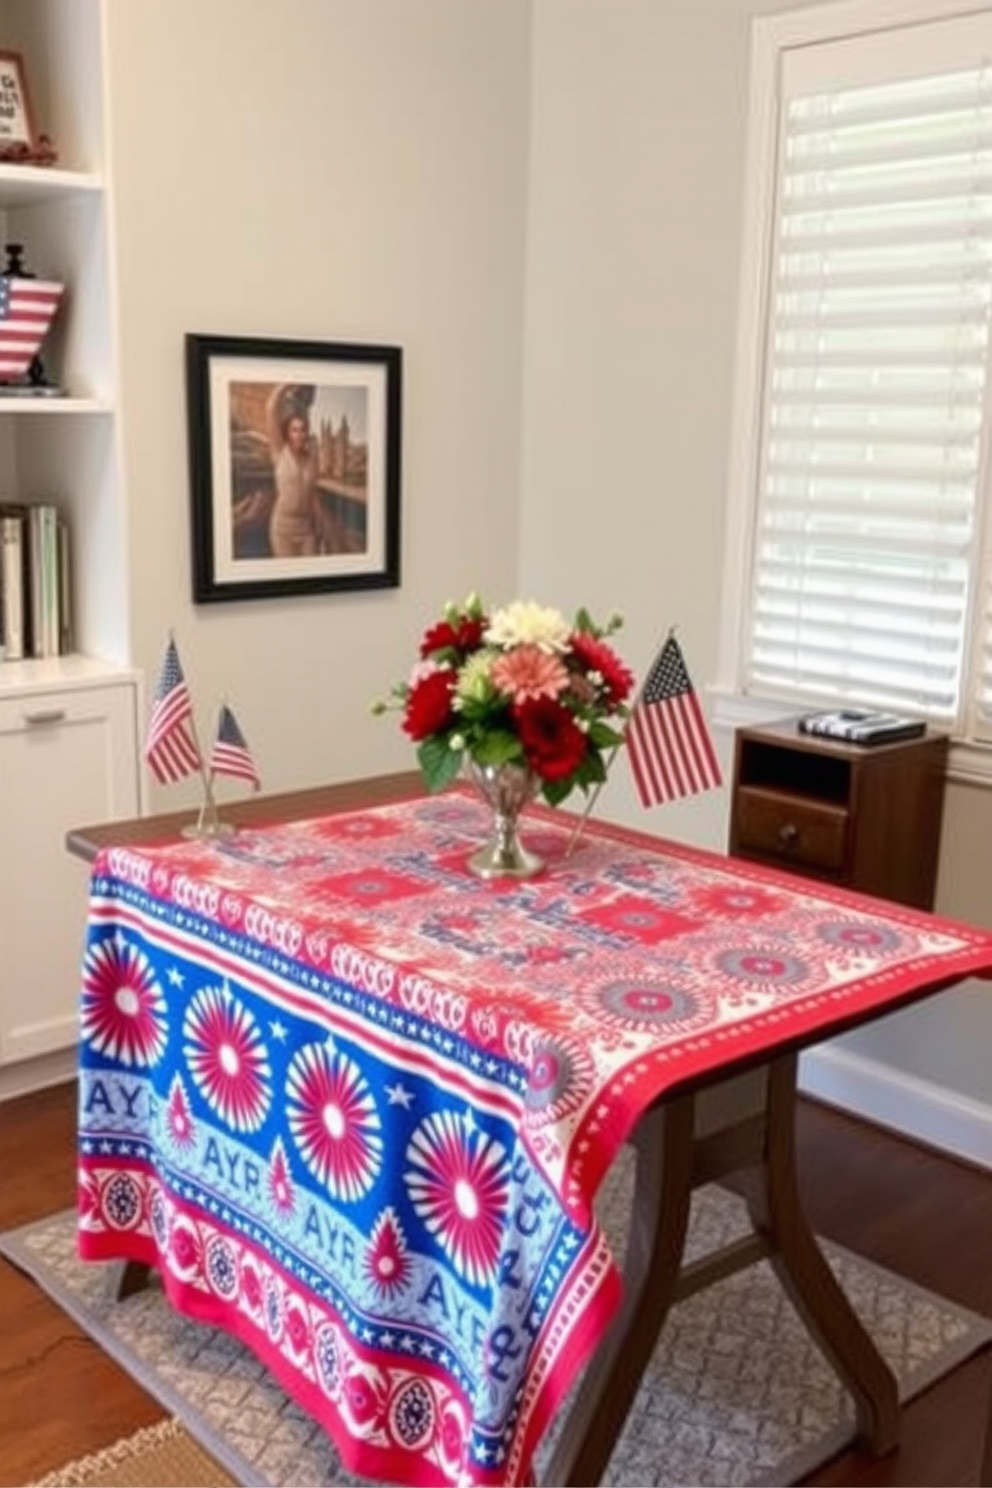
point(737, 1392)
point(161, 1456)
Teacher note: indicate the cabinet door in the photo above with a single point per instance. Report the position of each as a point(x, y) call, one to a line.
point(65, 758)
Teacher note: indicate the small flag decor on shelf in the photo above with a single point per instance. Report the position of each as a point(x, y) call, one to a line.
point(171, 749)
point(26, 310)
point(671, 752)
point(230, 754)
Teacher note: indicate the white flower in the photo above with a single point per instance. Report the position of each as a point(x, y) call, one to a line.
point(524, 623)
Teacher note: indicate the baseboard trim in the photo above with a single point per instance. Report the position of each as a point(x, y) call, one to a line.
point(38, 1073)
point(904, 1103)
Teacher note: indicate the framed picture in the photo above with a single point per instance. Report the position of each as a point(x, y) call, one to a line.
point(294, 464)
point(17, 130)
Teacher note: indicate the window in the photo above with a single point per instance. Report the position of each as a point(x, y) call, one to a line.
point(859, 563)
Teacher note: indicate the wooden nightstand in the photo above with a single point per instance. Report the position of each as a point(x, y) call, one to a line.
point(866, 817)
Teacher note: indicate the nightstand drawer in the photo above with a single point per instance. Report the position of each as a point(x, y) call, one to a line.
point(780, 826)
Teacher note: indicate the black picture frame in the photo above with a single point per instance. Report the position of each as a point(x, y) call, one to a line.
point(294, 466)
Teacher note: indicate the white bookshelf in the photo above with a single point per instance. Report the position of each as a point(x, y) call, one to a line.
point(66, 450)
point(69, 725)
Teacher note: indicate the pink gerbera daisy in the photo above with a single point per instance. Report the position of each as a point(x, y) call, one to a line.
point(529, 672)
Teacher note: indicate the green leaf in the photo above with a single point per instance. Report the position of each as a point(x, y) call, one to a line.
point(555, 791)
point(439, 763)
point(497, 748)
point(591, 771)
point(603, 736)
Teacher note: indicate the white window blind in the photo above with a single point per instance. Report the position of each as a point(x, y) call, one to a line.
point(869, 582)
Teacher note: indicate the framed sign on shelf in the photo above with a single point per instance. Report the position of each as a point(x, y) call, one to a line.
point(18, 135)
point(294, 466)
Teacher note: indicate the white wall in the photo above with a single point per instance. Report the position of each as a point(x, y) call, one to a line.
point(637, 152)
point(327, 170)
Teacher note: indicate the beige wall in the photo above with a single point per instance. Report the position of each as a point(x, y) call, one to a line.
point(328, 170)
point(557, 254)
point(949, 1040)
point(637, 151)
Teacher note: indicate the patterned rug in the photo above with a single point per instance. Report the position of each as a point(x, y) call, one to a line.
point(737, 1392)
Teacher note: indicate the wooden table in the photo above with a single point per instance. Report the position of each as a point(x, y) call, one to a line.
point(735, 1124)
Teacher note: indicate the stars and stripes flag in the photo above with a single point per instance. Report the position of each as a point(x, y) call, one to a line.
point(230, 754)
point(26, 310)
point(170, 747)
point(671, 752)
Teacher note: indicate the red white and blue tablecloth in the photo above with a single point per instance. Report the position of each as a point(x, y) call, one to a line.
point(355, 1104)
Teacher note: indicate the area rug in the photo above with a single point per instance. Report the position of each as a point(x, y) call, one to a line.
point(737, 1392)
point(160, 1456)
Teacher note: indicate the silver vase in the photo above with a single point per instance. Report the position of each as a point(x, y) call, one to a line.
point(506, 789)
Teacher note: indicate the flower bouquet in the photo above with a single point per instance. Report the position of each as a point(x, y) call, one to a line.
point(520, 687)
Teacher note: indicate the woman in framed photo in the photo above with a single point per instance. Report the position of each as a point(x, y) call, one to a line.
point(295, 520)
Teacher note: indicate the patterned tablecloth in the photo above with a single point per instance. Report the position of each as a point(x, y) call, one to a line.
point(355, 1104)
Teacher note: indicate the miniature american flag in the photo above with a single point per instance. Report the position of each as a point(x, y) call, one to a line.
point(170, 748)
point(230, 754)
point(671, 753)
point(26, 310)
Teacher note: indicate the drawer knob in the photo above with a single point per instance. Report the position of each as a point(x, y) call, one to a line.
point(788, 834)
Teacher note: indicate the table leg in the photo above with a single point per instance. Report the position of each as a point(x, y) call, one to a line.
point(757, 1156)
point(773, 1201)
point(985, 1470)
point(134, 1278)
point(653, 1260)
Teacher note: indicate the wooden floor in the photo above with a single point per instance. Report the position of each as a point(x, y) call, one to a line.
point(920, 1214)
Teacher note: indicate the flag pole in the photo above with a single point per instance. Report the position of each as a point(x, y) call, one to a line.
point(209, 805)
point(208, 821)
point(591, 802)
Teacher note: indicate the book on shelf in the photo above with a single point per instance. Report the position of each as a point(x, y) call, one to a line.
point(12, 586)
point(65, 588)
point(44, 582)
point(35, 581)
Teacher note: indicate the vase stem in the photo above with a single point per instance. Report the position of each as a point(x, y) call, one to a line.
point(507, 789)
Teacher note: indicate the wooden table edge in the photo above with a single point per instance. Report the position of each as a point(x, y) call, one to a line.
point(297, 805)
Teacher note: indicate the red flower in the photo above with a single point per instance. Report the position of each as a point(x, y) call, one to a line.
point(428, 707)
point(596, 656)
point(465, 636)
point(552, 741)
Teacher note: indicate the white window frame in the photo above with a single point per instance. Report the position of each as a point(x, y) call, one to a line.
point(771, 36)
